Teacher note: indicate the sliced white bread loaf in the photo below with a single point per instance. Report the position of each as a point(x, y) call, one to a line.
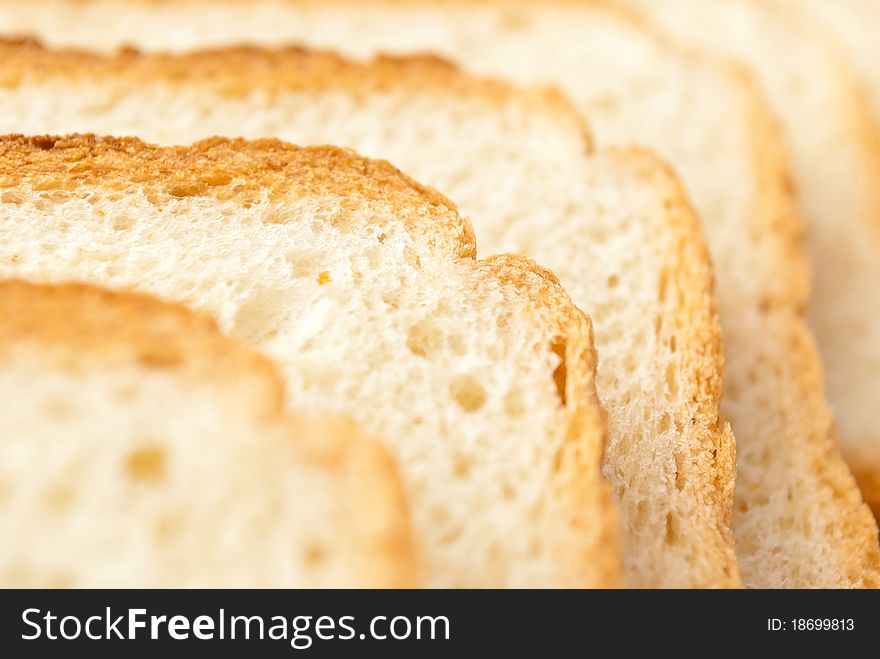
point(117, 414)
point(613, 225)
point(363, 287)
point(707, 117)
point(834, 143)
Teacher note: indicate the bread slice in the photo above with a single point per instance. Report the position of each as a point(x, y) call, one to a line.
point(614, 225)
point(835, 149)
point(118, 412)
point(363, 287)
point(855, 24)
point(708, 117)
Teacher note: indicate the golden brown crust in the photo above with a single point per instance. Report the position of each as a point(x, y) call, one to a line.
point(84, 326)
point(228, 170)
point(579, 481)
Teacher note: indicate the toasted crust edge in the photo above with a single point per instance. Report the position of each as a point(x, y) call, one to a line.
point(601, 558)
point(227, 169)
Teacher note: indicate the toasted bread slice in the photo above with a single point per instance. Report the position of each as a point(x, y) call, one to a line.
point(117, 414)
point(707, 117)
point(363, 287)
point(614, 226)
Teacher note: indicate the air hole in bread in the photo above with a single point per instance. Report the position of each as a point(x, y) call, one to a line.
point(425, 339)
point(672, 378)
point(59, 497)
point(665, 424)
point(514, 404)
point(456, 344)
point(160, 356)
point(57, 408)
point(125, 394)
point(315, 555)
point(374, 258)
point(305, 265)
point(663, 287)
point(56, 196)
point(671, 529)
point(613, 281)
point(121, 222)
point(468, 392)
point(166, 528)
point(275, 216)
point(392, 299)
point(461, 466)
point(679, 471)
point(146, 463)
point(10, 197)
point(560, 374)
point(558, 459)
point(257, 316)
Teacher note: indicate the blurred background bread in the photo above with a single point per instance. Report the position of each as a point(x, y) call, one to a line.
point(141, 448)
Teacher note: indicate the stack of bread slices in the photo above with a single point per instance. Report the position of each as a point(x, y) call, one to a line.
point(433, 293)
